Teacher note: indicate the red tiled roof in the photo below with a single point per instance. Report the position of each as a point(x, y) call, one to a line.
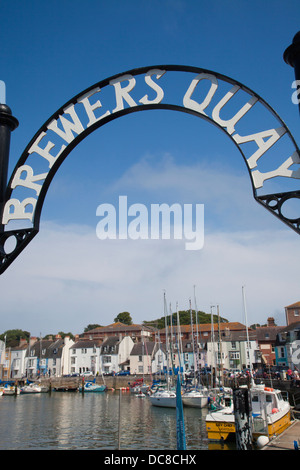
point(297, 304)
point(233, 326)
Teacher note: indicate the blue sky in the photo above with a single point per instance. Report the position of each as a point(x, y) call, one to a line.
point(67, 278)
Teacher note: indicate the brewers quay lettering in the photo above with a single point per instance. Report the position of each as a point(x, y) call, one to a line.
point(200, 95)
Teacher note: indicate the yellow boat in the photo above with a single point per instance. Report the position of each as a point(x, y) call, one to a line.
point(270, 416)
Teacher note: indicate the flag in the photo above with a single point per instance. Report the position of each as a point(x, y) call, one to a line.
point(180, 430)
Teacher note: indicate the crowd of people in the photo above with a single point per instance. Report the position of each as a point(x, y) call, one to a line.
point(270, 373)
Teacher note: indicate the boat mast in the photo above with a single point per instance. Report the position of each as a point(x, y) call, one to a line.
point(220, 351)
point(179, 342)
point(212, 345)
point(171, 341)
point(197, 337)
point(247, 333)
point(167, 340)
point(193, 341)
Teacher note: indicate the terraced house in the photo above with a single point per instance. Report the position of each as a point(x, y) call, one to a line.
point(48, 357)
point(141, 349)
point(84, 356)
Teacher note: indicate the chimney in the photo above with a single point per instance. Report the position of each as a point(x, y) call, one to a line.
point(271, 321)
point(32, 340)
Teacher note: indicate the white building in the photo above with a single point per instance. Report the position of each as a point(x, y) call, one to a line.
point(115, 354)
point(59, 362)
point(85, 356)
point(233, 351)
point(148, 358)
point(17, 356)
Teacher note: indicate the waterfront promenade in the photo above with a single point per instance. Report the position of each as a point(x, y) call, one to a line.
point(285, 441)
point(112, 382)
point(118, 381)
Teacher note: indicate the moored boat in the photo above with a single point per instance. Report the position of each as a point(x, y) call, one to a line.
point(166, 398)
point(139, 387)
point(11, 390)
point(31, 388)
point(270, 416)
point(92, 387)
point(195, 398)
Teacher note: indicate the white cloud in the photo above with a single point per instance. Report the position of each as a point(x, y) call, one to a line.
point(67, 278)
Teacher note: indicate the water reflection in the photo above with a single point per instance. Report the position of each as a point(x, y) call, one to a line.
point(91, 421)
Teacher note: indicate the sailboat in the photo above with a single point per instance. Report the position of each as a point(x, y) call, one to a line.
point(165, 397)
point(92, 387)
point(196, 397)
point(31, 388)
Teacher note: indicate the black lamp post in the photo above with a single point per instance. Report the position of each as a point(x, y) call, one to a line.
point(292, 57)
point(7, 124)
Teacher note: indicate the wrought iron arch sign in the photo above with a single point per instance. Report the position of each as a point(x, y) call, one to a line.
point(146, 88)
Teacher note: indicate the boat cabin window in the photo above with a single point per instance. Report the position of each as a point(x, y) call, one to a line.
point(255, 398)
point(269, 398)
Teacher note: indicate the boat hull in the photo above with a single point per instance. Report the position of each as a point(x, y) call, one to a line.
point(195, 398)
point(93, 389)
point(163, 398)
point(11, 391)
point(167, 402)
point(225, 429)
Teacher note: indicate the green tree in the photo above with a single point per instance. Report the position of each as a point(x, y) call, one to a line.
point(91, 326)
point(184, 319)
point(13, 337)
point(124, 317)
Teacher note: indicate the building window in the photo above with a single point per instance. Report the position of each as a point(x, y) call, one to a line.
point(234, 355)
point(233, 344)
point(296, 313)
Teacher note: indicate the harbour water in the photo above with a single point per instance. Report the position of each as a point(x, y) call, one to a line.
point(94, 421)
